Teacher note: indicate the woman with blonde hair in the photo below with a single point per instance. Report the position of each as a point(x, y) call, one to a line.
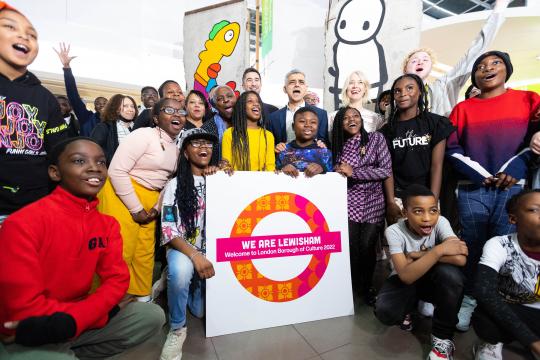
point(355, 94)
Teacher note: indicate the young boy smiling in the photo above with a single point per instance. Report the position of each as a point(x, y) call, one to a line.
point(303, 153)
point(426, 255)
point(51, 250)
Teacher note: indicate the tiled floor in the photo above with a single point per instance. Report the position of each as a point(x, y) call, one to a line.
point(360, 336)
point(353, 337)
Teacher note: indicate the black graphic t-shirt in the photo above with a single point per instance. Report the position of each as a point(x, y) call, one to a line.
point(411, 143)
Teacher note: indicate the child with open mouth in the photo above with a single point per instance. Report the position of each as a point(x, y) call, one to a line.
point(426, 256)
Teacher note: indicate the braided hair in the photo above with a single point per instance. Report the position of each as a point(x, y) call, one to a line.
point(185, 198)
point(422, 106)
point(340, 136)
point(240, 141)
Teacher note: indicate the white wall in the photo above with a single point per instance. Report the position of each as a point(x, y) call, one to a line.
point(133, 42)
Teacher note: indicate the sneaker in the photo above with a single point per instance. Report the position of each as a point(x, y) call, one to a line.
point(144, 299)
point(172, 349)
point(407, 324)
point(425, 308)
point(159, 285)
point(465, 313)
point(441, 349)
point(487, 351)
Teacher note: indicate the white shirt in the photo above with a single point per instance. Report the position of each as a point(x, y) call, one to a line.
point(289, 121)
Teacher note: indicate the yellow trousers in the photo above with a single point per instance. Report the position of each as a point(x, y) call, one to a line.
point(138, 240)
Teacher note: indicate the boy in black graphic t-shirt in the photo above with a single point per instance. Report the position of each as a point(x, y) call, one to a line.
point(416, 139)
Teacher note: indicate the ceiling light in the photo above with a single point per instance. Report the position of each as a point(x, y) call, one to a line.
point(433, 5)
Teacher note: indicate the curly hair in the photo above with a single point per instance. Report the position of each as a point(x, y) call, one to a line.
point(111, 112)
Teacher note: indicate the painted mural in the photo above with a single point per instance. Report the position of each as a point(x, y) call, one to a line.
point(371, 36)
point(215, 34)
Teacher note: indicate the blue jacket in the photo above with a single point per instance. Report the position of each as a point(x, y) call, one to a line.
point(87, 119)
point(276, 124)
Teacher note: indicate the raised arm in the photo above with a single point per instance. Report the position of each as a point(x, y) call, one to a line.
point(79, 107)
point(451, 83)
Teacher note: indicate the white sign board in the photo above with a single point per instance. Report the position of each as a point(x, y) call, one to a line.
point(280, 250)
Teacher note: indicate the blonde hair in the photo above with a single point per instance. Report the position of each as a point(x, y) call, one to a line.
point(345, 98)
point(428, 51)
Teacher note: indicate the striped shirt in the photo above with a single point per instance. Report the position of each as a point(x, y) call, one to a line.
point(123, 129)
point(365, 197)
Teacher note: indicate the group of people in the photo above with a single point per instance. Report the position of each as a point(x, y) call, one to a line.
point(84, 195)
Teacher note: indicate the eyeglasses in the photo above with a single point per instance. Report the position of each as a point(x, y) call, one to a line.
point(171, 111)
point(202, 143)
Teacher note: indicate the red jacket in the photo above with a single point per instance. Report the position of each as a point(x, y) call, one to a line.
point(49, 252)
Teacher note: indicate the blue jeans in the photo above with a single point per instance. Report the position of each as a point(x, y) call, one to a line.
point(184, 289)
point(482, 215)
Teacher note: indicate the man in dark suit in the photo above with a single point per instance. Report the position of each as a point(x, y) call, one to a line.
point(251, 80)
point(280, 122)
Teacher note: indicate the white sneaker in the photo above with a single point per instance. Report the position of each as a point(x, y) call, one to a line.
point(425, 308)
point(172, 349)
point(159, 285)
point(144, 299)
point(487, 351)
point(465, 313)
point(441, 349)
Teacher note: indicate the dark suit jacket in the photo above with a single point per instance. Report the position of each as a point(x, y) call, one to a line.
point(276, 124)
point(143, 120)
point(267, 110)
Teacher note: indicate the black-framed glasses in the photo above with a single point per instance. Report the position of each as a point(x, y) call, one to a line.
point(202, 143)
point(171, 111)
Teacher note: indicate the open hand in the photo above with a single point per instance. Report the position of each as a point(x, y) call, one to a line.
point(63, 54)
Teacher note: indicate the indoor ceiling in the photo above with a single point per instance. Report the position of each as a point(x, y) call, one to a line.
point(443, 8)
point(518, 36)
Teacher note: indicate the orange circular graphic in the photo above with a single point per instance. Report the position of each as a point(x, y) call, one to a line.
point(246, 272)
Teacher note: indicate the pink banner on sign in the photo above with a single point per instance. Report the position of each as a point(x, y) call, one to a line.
point(271, 246)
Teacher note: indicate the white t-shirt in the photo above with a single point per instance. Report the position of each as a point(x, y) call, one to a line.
point(171, 224)
point(518, 273)
point(401, 240)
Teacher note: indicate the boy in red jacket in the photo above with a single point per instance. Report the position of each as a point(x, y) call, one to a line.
point(50, 251)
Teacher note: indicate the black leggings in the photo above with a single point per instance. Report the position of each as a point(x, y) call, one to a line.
point(492, 332)
point(362, 246)
point(442, 285)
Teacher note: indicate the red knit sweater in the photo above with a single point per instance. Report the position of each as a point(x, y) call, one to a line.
point(50, 251)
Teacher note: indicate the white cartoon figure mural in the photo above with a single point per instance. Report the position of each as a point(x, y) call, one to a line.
point(356, 29)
